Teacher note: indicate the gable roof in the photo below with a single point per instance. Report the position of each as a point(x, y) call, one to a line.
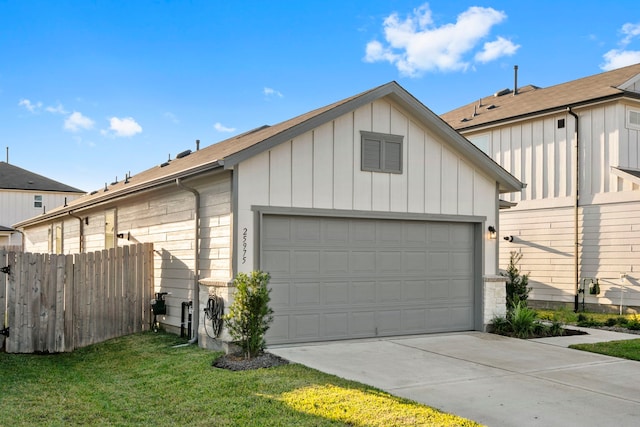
point(531, 100)
point(14, 178)
point(228, 153)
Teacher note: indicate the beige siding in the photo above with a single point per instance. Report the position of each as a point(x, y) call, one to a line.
point(321, 169)
point(609, 236)
point(165, 218)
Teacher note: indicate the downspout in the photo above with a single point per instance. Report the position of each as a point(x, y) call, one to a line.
point(576, 205)
point(81, 230)
point(196, 257)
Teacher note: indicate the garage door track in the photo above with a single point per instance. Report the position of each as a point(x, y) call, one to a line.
point(491, 379)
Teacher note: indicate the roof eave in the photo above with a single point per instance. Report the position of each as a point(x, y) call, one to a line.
point(107, 197)
point(547, 111)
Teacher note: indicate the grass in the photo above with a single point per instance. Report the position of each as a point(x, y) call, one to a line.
point(626, 349)
point(143, 379)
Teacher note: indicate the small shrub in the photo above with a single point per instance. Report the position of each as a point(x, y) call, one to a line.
point(500, 326)
point(556, 329)
point(623, 321)
point(611, 321)
point(517, 290)
point(250, 316)
point(523, 320)
point(634, 323)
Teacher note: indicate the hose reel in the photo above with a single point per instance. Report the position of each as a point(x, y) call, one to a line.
point(214, 312)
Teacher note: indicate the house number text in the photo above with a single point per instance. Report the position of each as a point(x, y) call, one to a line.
point(244, 245)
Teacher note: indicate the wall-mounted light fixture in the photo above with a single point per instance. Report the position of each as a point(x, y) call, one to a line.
point(493, 233)
point(126, 235)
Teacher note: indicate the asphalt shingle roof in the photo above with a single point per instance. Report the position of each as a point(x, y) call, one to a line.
point(14, 178)
point(532, 100)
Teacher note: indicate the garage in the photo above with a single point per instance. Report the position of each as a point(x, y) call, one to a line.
point(339, 278)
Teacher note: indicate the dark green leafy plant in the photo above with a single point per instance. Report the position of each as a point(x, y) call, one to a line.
point(523, 320)
point(517, 290)
point(500, 326)
point(249, 315)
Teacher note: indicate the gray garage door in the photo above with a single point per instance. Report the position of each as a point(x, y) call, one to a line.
point(339, 278)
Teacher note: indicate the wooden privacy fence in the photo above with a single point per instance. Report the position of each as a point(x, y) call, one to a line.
point(57, 303)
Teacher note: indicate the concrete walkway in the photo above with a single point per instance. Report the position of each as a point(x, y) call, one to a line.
point(494, 380)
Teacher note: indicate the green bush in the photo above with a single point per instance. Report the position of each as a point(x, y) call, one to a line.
point(250, 316)
point(523, 320)
point(634, 323)
point(517, 290)
point(500, 326)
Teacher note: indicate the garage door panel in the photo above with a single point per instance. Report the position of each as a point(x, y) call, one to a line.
point(362, 324)
point(363, 262)
point(363, 233)
point(463, 263)
point(306, 326)
point(337, 278)
point(389, 262)
point(336, 232)
point(280, 294)
point(336, 325)
point(363, 292)
point(389, 322)
point(388, 291)
point(306, 262)
point(278, 233)
point(277, 262)
point(279, 329)
point(438, 263)
point(336, 293)
point(414, 262)
point(414, 320)
point(389, 233)
point(439, 289)
point(416, 235)
point(461, 289)
point(415, 291)
point(306, 294)
point(335, 262)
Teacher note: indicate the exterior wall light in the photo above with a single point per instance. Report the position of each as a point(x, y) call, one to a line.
point(493, 233)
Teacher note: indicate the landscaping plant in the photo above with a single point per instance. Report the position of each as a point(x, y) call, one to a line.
point(517, 290)
point(249, 315)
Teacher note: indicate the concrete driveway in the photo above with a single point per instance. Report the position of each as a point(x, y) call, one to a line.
point(494, 380)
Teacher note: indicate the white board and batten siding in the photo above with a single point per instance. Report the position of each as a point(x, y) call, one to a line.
point(362, 216)
point(542, 155)
point(320, 169)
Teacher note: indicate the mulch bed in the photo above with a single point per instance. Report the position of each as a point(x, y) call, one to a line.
point(237, 361)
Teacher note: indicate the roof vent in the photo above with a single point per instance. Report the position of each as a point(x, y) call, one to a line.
point(502, 92)
point(464, 120)
point(491, 107)
point(164, 164)
point(185, 153)
point(93, 192)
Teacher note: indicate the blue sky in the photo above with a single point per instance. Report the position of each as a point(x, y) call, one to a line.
point(92, 90)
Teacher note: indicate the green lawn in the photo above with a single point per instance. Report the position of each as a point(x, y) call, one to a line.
point(627, 349)
point(143, 380)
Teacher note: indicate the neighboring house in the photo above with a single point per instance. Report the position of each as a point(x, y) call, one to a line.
point(577, 222)
point(23, 195)
point(370, 214)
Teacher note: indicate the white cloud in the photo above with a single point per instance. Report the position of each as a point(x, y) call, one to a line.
point(124, 127)
point(269, 92)
point(416, 44)
point(77, 122)
point(58, 109)
point(496, 49)
point(220, 128)
point(617, 58)
point(29, 105)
